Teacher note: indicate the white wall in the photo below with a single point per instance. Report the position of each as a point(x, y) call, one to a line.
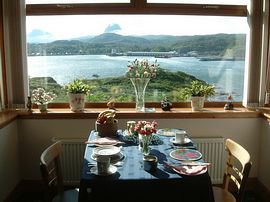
point(35, 135)
point(264, 164)
point(9, 159)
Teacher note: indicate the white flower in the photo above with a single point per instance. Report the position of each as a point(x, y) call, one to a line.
point(40, 96)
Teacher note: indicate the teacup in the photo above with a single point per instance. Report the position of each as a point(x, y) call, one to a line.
point(180, 136)
point(103, 164)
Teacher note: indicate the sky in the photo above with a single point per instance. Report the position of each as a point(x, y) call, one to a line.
point(67, 27)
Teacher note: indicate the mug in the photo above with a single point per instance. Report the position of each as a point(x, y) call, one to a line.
point(150, 163)
point(103, 164)
point(180, 136)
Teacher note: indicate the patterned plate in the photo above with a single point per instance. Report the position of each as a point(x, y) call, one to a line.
point(186, 154)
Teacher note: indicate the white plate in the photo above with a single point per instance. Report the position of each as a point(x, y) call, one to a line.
point(106, 151)
point(112, 170)
point(114, 158)
point(168, 131)
point(191, 170)
point(186, 141)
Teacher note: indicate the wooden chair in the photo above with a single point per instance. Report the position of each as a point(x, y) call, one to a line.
point(236, 173)
point(52, 176)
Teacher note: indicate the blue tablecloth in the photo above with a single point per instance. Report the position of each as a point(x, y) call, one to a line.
point(132, 183)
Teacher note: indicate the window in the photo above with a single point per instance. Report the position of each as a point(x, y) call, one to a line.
point(98, 47)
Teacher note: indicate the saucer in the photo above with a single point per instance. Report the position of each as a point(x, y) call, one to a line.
point(186, 141)
point(112, 170)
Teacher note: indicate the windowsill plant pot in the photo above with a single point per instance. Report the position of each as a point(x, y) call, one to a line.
point(197, 103)
point(197, 92)
point(42, 107)
point(77, 91)
point(76, 101)
point(41, 98)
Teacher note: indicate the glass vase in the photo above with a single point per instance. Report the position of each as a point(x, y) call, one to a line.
point(139, 87)
point(144, 141)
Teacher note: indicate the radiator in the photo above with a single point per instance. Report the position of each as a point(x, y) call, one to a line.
point(71, 159)
point(73, 153)
point(213, 151)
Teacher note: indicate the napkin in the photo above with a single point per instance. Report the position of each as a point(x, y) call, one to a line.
point(185, 169)
point(104, 141)
point(190, 170)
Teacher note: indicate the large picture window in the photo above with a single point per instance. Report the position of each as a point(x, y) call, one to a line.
point(98, 48)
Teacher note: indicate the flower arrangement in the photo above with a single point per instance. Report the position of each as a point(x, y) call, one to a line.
point(146, 127)
point(145, 130)
point(40, 96)
point(142, 69)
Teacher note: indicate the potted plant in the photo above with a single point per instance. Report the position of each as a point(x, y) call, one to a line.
point(77, 91)
point(197, 92)
point(42, 98)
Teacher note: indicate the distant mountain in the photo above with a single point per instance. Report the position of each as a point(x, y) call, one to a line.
point(116, 38)
point(229, 45)
point(39, 36)
point(83, 38)
point(112, 28)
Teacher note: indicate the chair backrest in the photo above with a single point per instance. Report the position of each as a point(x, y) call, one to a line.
point(51, 170)
point(237, 168)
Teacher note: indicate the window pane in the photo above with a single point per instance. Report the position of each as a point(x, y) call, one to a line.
point(74, 1)
point(222, 2)
point(99, 48)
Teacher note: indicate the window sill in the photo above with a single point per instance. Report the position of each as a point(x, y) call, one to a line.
point(129, 113)
point(8, 116)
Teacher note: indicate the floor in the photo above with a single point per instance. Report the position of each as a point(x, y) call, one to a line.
point(37, 197)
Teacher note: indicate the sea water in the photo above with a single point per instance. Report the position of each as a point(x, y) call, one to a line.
point(227, 76)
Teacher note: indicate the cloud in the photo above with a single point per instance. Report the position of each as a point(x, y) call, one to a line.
point(112, 28)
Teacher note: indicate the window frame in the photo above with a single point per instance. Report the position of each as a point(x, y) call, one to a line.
point(137, 7)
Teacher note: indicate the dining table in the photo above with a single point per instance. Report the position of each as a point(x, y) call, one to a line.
point(131, 182)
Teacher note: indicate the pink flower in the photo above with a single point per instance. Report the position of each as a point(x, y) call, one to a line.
point(146, 127)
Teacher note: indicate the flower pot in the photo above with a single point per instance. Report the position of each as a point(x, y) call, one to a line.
point(43, 107)
point(197, 103)
point(107, 129)
point(76, 101)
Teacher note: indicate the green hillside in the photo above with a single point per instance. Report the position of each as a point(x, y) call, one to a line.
point(120, 89)
point(203, 45)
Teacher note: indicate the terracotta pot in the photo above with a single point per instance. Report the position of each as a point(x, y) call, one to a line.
point(107, 129)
